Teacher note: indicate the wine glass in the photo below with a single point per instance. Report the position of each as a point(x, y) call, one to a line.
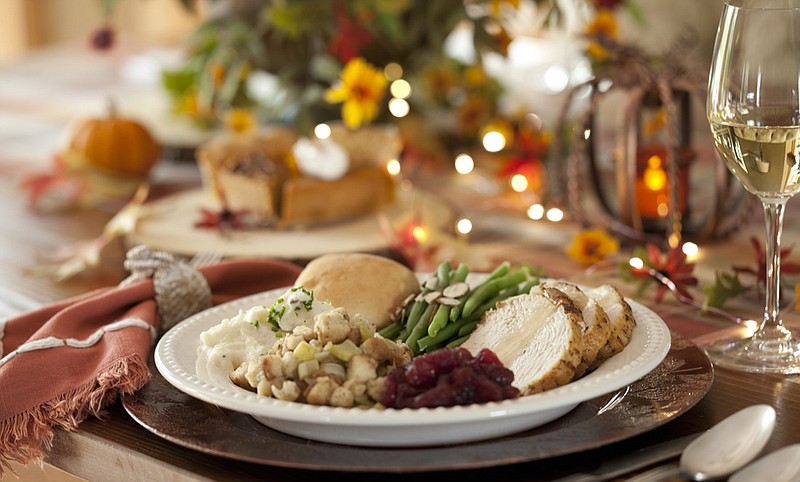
point(753, 108)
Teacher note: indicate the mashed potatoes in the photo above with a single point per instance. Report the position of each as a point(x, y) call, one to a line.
point(252, 332)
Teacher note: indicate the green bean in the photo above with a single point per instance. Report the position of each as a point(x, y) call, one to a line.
point(455, 311)
point(479, 295)
point(391, 331)
point(426, 346)
point(526, 288)
point(468, 328)
point(414, 314)
point(457, 342)
point(416, 308)
point(492, 302)
point(443, 275)
point(439, 320)
point(444, 335)
point(490, 289)
point(459, 276)
point(512, 290)
point(420, 328)
point(460, 273)
point(501, 270)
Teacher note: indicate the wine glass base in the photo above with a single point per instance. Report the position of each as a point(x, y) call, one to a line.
point(743, 352)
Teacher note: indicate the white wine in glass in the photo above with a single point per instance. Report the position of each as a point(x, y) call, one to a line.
point(753, 108)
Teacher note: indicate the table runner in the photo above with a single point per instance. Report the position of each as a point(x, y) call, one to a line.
point(68, 360)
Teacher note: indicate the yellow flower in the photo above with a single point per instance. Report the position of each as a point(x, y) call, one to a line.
point(475, 76)
point(240, 120)
point(188, 104)
point(604, 24)
point(592, 246)
point(361, 87)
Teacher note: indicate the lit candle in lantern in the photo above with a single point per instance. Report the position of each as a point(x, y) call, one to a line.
point(652, 192)
point(652, 183)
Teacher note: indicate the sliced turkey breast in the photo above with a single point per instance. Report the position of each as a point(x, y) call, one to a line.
point(596, 326)
point(620, 316)
point(538, 336)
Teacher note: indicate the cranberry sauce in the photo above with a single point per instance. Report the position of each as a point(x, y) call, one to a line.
point(449, 377)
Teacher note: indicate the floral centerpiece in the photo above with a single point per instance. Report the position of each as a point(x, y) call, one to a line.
point(296, 61)
point(302, 62)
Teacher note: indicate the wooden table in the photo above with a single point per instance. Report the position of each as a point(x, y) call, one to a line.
point(118, 447)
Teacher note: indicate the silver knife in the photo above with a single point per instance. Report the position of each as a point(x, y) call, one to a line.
point(630, 462)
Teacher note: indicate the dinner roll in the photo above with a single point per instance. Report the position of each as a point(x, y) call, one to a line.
point(368, 284)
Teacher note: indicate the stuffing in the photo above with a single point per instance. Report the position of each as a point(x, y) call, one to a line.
point(337, 361)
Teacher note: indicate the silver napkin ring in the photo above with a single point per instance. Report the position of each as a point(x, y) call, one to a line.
point(180, 289)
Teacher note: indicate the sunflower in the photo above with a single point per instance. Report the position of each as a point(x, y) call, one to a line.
point(591, 246)
point(361, 88)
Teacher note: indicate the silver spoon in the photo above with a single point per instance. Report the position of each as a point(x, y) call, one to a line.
point(723, 449)
point(783, 465)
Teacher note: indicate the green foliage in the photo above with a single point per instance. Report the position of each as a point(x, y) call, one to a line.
point(725, 287)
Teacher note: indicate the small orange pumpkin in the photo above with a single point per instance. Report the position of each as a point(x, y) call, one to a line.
point(116, 144)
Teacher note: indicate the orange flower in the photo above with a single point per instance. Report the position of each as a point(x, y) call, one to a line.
point(604, 25)
point(240, 120)
point(361, 88)
point(591, 246)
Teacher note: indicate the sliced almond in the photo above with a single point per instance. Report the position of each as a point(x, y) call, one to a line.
point(432, 296)
point(432, 283)
point(444, 300)
point(456, 290)
point(396, 314)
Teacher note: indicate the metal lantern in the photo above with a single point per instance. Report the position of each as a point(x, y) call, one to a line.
point(643, 189)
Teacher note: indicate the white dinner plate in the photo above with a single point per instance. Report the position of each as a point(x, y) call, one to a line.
point(176, 357)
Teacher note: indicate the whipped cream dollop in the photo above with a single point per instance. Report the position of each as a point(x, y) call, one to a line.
point(321, 158)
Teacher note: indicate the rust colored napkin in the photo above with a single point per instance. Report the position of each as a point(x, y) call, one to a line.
point(66, 361)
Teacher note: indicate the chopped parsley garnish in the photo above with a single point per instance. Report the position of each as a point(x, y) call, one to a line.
point(309, 303)
point(276, 312)
point(278, 309)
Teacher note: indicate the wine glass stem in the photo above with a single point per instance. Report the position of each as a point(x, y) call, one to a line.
point(772, 327)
